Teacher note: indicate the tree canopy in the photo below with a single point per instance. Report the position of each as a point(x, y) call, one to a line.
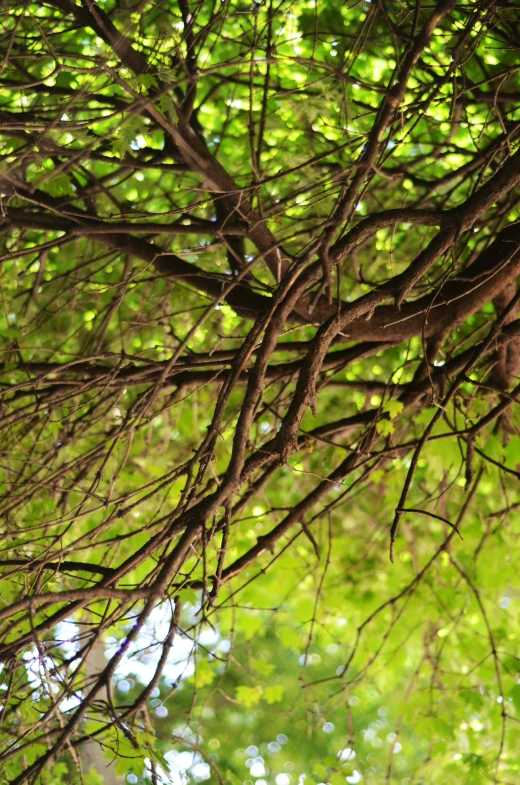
point(259, 433)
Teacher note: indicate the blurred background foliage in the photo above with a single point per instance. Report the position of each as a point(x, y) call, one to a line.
point(320, 661)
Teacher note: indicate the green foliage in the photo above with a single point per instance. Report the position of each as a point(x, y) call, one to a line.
point(148, 151)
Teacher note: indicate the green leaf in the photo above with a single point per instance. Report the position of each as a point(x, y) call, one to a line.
point(385, 427)
point(337, 778)
point(58, 185)
point(393, 408)
point(166, 74)
point(249, 696)
point(472, 698)
point(168, 108)
point(274, 693)
point(146, 81)
point(125, 135)
point(204, 673)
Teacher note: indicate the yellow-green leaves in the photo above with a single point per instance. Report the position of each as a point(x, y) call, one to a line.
point(385, 427)
point(393, 408)
point(274, 693)
point(205, 673)
point(249, 696)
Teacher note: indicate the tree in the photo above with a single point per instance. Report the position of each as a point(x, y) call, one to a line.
point(259, 433)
